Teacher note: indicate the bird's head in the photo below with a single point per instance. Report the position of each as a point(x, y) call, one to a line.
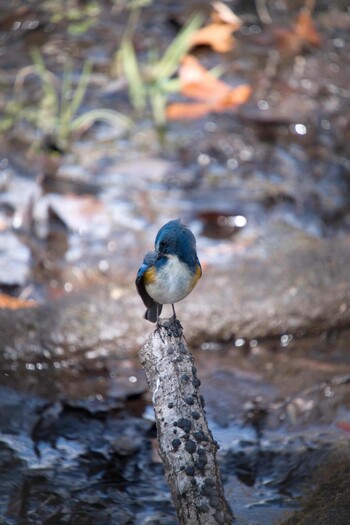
point(174, 238)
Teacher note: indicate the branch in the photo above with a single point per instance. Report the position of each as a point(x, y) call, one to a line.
point(186, 444)
point(263, 12)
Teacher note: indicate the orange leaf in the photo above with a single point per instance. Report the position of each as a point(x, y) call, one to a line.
point(235, 97)
point(292, 41)
point(344, 425)
point(198, 83)
point(188, 111)
point(215, 95)
point(218, 34)
point(305, 28)
point(13, 303)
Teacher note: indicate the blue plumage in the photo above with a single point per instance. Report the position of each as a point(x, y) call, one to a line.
point(169, 273)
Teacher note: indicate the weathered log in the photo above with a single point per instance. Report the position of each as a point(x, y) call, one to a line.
point(186, 445)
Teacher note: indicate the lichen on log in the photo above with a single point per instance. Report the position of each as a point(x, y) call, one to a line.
point(186, 445)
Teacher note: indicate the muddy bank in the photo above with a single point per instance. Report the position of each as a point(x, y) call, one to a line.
point(329, 502)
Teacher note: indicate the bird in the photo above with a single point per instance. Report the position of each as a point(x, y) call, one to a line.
point(170, 272)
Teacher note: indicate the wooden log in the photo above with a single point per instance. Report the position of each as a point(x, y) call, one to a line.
point(186, 445)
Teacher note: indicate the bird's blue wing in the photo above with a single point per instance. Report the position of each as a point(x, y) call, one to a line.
point(148, 261)
point(153, 309)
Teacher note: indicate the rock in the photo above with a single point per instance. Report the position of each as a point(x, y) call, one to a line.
point(292, 283)
point(287, 282)
point(15, 260)
point(329, 500)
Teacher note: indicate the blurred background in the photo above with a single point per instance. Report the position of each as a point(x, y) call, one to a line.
point(115, 117)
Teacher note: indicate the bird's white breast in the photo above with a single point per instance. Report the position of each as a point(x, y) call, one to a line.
point(174, 281)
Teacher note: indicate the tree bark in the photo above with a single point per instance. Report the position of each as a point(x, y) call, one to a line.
point(186, 445)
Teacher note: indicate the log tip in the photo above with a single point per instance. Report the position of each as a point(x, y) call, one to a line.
point(171, 326)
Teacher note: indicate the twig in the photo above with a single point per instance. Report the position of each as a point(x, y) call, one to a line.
point(186, 445)
point(263, 13)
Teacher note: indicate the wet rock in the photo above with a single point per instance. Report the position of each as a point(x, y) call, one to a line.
point(80, 212)
point(79, 460)
point(288, 282)
point(282, 463)
point(149, 169)
point(15, 260)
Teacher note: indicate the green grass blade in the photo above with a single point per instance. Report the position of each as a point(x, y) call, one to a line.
point(158, 103)
point(69, 108)
point(87, 119)
point(169, 63)
point(133, 75)
point(64, 116)
point(49, 106)
point(173, 85)
point(81, 88)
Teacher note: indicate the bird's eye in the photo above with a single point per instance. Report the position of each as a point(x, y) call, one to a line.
point(161, 246)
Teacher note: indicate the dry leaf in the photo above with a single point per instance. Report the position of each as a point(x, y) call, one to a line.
point(305, 28)
point(344, 425)
point(218, 34)
point(222, 14)
point(213, 94)
point(13, 303)
point(198, 82)
point(189, 110)
point(303, 32)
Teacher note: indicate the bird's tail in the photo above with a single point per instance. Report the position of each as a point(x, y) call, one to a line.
point(152, 314)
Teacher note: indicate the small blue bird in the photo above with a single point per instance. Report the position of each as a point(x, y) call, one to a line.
point(169, 273)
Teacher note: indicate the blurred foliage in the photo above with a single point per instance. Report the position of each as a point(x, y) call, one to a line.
point(151, 82)
point(132, 4)
point(56, 114)
point(79, 17)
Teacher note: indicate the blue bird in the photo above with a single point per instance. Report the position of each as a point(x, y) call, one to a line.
point(169, 273)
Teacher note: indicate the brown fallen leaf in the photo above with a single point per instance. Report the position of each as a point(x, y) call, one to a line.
point(198, 82)
point(218, 36)
point(13, 303)
point(293, 40)
point(187, 110)
point(305, 28)
point(219, 33)
point(344, 425)
point(213, 94)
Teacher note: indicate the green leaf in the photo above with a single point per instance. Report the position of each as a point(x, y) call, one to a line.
point(81, 88)
point(171, 59)
point(85, 121)
point(133, 75)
